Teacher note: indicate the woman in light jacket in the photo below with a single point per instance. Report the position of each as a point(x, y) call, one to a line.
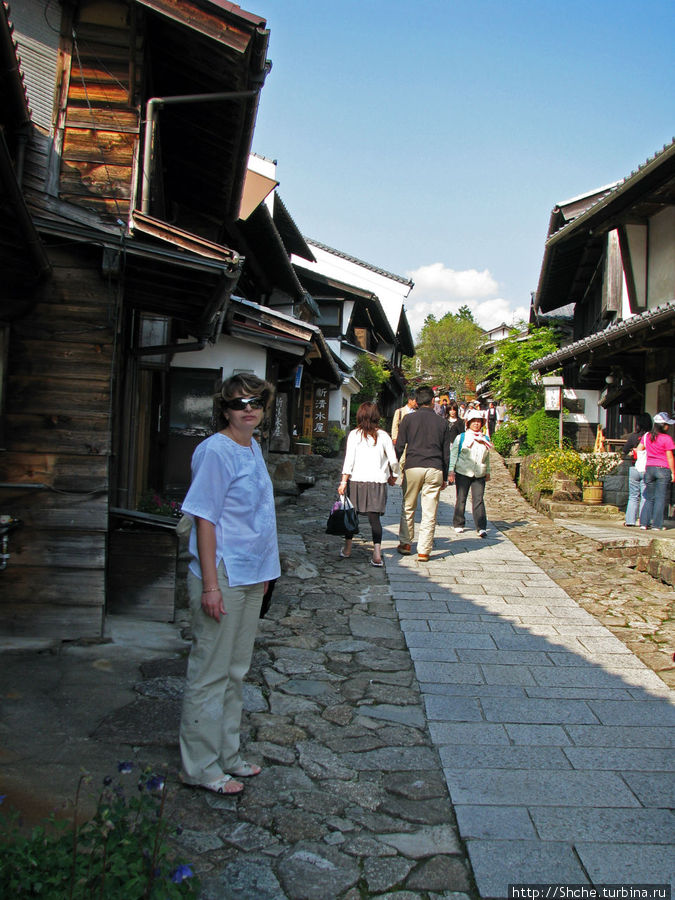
point(469, 470)
point(370, 465)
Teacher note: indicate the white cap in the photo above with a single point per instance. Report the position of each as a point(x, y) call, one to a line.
point(473, 414)
point(663, 418)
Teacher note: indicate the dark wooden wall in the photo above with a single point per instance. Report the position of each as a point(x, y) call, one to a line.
point(101, 124)
point(57, 433)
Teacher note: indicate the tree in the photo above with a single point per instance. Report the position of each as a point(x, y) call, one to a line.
point(450, 351)
point(372, 374)
point(513, 382)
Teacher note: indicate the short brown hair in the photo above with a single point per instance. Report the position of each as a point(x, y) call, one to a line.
point(246, 385)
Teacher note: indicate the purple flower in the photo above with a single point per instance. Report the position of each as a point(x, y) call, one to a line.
point(2, 797)
point(124, 768)
point(181, 874)
point(155, 783)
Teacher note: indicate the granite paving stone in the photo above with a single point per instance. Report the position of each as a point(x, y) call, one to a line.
point(525, 747)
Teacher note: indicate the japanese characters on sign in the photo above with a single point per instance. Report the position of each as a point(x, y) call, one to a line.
point(320, 417)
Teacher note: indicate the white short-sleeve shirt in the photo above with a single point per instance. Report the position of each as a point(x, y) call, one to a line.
point(231, 488)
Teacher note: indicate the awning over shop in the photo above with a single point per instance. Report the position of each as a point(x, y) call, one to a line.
point(267, 327)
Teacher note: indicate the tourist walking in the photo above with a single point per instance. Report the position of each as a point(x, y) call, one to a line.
point(491, 418)
point(425, 440)
point(401, 413)
point(660, 471)
point(370, 465)
point(233, 545)
point(636, 473)
point(455, 424)
point(470, 470)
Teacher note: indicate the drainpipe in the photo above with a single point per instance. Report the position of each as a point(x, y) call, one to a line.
point(156, 103)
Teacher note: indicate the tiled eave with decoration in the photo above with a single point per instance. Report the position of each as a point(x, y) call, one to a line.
point(616, 339)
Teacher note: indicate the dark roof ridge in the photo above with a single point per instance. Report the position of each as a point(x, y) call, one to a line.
point(360, 262)
point(617, 188)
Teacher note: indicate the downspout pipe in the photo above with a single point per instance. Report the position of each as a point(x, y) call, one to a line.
point(156, 103)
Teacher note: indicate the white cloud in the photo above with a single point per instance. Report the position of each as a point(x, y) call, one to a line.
point(439, 283)
point(439, 290)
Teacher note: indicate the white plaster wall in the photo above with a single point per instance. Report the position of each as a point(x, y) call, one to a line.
point(652, 397)
point(229, 354)
point(593, 413)
point(661, 274)
point(391, 293)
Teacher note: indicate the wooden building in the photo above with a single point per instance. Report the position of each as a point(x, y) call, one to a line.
point(125, 138)
point(609, 259)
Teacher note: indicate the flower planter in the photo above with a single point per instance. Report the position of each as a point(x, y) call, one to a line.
point(592, 493)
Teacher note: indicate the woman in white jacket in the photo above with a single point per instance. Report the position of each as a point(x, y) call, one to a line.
point(470, 469)
point(370, 465)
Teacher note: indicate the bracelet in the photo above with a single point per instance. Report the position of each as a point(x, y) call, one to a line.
point(210, 590)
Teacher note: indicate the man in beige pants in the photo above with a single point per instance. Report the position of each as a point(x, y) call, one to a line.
point(399, 416)
point(425, 439)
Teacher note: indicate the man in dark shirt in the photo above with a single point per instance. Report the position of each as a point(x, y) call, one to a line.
point(426, 439)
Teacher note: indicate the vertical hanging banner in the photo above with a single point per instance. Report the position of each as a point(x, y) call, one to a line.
point(280, 440)
point(320, 418)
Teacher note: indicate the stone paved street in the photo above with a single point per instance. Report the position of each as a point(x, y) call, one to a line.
point(427, 731)
point(555, 739)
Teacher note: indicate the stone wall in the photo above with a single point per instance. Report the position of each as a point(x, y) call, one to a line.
point(615, 486)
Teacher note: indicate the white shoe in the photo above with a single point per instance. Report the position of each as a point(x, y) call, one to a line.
point(459, 530)
point(482, 533)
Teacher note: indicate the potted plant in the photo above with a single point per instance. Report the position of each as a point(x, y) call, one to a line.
point(594, 466)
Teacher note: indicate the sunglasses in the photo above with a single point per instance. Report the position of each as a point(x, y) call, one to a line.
point(241, 403)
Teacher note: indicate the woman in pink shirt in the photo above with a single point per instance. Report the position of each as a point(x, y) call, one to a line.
point(660, 471)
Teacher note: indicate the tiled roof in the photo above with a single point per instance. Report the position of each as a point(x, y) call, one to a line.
point(358, 262)
point(651, 319)
point(612, 191)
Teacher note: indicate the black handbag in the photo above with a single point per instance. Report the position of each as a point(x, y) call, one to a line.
point(343, 519)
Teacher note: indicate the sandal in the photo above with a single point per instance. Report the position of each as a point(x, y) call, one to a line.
point(223, 785)
point(378, 565)
point(344, 555)
point(246, 770)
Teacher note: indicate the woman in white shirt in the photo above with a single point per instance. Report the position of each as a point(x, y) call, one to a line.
point(370, 465)
point(234, 552)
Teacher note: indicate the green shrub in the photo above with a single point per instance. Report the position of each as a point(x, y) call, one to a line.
point(542, 431)
point(119, 854)
point(506, 436)
point(566, 461)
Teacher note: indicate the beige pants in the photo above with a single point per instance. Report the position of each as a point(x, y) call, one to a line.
point(219, 659)
point(428, 482)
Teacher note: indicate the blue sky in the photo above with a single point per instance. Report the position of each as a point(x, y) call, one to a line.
point(433, 139)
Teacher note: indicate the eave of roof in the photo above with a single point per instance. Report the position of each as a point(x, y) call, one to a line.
point(350, 291)
point(200, 47)
point(565, 247)
point(404, 334)
point(359, 262)
point(610, 337)
point(295, 329)
point(291, 235)
point(14, 109)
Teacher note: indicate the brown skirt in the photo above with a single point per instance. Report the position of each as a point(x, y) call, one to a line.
point(368, 496)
